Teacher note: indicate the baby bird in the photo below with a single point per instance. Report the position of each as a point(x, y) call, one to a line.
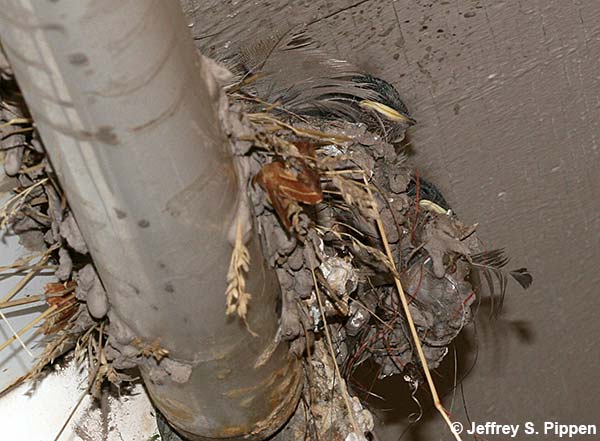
point(290, 69)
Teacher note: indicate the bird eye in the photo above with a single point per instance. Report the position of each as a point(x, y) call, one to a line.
point(398, 139)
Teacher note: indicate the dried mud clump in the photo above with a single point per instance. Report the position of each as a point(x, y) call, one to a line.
point(317, 189)
point(34, 208)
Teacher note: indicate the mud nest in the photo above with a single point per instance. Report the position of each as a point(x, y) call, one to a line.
point(328, 198)
point(308, 188)
point(317, 189)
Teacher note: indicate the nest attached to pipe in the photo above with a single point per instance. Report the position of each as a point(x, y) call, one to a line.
point(317, 189)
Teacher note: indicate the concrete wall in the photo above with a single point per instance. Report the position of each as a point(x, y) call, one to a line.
point(507, 95)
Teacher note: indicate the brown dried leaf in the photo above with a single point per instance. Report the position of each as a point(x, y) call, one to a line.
point(284, 186)
point(57, 289)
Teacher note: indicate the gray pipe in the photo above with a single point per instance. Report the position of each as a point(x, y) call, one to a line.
point(128, 113)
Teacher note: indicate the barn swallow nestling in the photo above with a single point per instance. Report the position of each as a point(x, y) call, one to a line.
point(291, 69)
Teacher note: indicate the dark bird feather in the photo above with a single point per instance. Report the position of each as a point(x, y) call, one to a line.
point(293, 71)
point(427, 191)
point(490, 264)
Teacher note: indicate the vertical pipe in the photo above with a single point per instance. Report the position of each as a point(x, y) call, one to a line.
point(128, 113)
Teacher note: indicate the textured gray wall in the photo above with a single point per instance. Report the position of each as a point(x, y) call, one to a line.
point(507, 95)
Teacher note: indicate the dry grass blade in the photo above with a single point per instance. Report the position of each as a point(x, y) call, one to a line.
point(16, 132)
point(375, 252)
point(66, 423)
point(15, 334)
point(413, 330)
point(354, 194)
point(237, 298)
point(52, 350)
point(14, 204)
point(267, 106)
point(153, 349)
point(19, 302)
point(34, 270)
point(22, 264)
point(341, 382)
point(15, 121)
point(99, 367)
point(262, 118)
point(27, 327)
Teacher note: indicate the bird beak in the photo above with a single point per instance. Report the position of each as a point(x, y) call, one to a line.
point(387, 112)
